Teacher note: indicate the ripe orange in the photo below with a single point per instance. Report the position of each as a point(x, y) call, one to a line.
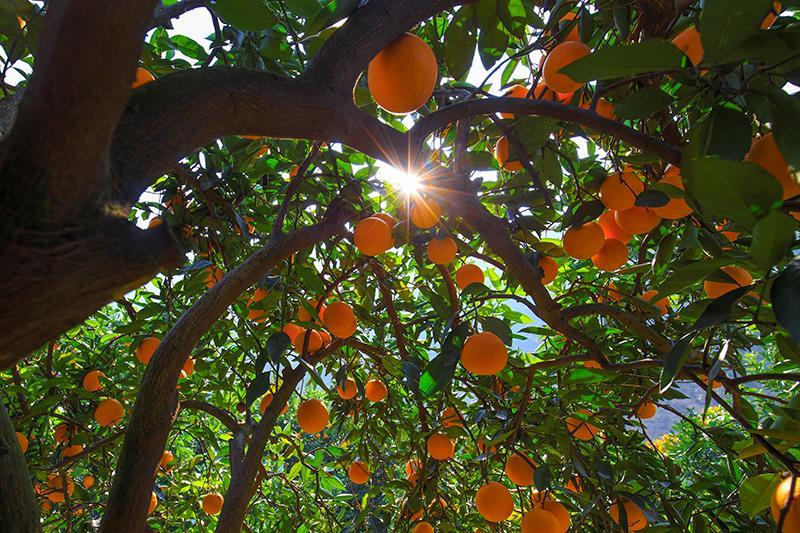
point(517, 91)
point(646, 410)
point(482, 447)
point(591, 364)
point(188, 366)
point(741, 277)
point(257, 315)
point(541, 92)
point(501, 154)
point(338, 316)
point(153, 503)
point(676, 207)
point(519, 469)
point(212, 503)
point(55, 483)
point(88, 482)
point(358, 472)
point(91, 381)
point(386, 217)
point(425, 213)
point(291, 331)
point(373, 236)
point(108, 412)
point(559, 57)
point(440, 447)
point(442, 251)
point(765, 152)
point(71, 451)
point(573, 34)
point(166, 458)
point(575, 485)
point(611, 256)
point(732, 236)
point(484, 354)
point(540, 521)
point(412, 467)
point(401, 78)
point(348, 392)
point(581, 429)
point(213, 275)
point(314, 342)
point(635, 516)
point(605, 109)
point(346, 332)
point(582, 242)
point(781, 498)
point(468, 274)
point(549, 269)
point(147, 348)
point(62, 433)
point(613, 294)
point(774, 11)
point(312, 416)
point(267, 400)
point(494, 502)
point(662, 304)
point(688, 41)
point(375, 390)
point(304, 315)
point(23, 442)
point(423, 527)
point(545, 501)
point(715, 384)
point(620, 189)
point(143, 76)
point(451, 418)
point(611, 229)
point(637, 220)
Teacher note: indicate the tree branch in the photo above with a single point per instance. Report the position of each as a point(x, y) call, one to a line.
point(163, 15)
point(629, 320)
point(19, 510)
point(225, 418)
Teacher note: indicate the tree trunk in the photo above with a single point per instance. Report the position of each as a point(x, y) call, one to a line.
point(19, 510)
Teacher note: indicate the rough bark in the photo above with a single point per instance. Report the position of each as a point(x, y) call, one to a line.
point(19, 510)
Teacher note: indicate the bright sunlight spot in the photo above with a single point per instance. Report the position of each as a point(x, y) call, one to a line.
point(401, 180)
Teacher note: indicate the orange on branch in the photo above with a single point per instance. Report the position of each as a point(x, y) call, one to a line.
point(519, 469)
point(740, 277)
point(375, 390)
point(257, 315)
point(372, 236)
point(764, 152)
point(358, 472)
point(143, 76)
point(635, 516)
point(212, 503)
point(423, 527)
point(451, 419)
point(91, 381)
point(88, 482)
point(59, 491)
point(676, 207)
point(312, 416)
point(62, 433)
point(620, 189)
point(401, 78)
point(442, 251)
point(23, 442)
point(72, 451)
point(637, 220)
point(549, 269)
point(484, 354)
point(440, 447)
point(338, 316)
point(213, 275)
point(546, 502)
point(291, 331)
point(662, 304)
point(582, 242)
point(540, 521)
point(647, 410)
point(188, 366)
point(153, 503)
point(386, 217)
point(611, 256)
point(581, 429)
point(494, 502)
point(468, 274)
point(786, 495)
point(425, 213)
point(166, 458)
point(348, 391)
point(305, 315)
point(574, 34)
point(611, 229)
point(307, 341)
point(501, 155)
point(109, 412)
point(559, 57)
point(516, 91)
point(267, 400)
point(688, 41)
point(147, 348)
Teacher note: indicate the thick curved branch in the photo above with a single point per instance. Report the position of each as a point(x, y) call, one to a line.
point(157, 402)
point(164, 14)
point(629, 320)
point(224, 417)
point(19, 510)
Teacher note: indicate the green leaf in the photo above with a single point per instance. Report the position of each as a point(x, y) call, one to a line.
point(257, 388)
point(277, 344)
point(246, 15)
point(583, 376)
point(756, 491)
point(785, 111)
point(787, 347)
point(687, 275)
point(722, 132)
point(492, 44)
point(675, 359)
point(785, 296)
point(459, 47)
point(642, 104)
point(497, 326)
point(742, 192)
point(719, 310)
point(439, 372)
point(533, 132)
point(625, 60)
point(512, 14)
point(333, 12)
point(725, 24)
point(772, 239)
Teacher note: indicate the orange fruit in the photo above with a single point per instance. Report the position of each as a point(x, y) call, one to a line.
point(166, 458)
point(440, 447)
point(484, 354)
point(591, 364)
point(23, 442)
point(676, 207)
point(501, 154)
point(637, 220)
point(349, 390)
point(442, 251)
point(314, 342)
point(468, 274)
point(338, 316)
point(581, 429)
point(715, 384)
point(451, 419)
point(765, 152)
point(482, 447)
point(620, 189)
point(55, 483)
point(573, 34)
point(582, 242)
point(375, 390)
point(769, 20)
point(635, 516)
point(155, 222)
point(312, 416)
point(412, 467)
point(741, 278)
point(516, 91)
point(304, 315)
point(212, 503)
point(781, 498)
point(153, 503)
point(213, 275)
point(423, 527)
point(188, 366)
point(613, 294)
point(143, 76)
point(91, 381)
point(732, 236)
point(575, 485)
point(372, 236)
point(386, 217)
point(425, 213)
point(108, 412)
point(611, 256)
point(605, 109)
point(662, 304)
point(401, 78)
point(646, 410)
point(88, 482)
point(545, 501)
point(62, 433)
point(494, 502)
point(358, 472)
point(257, 315)
point(541, 92)
point(611, 229)
point(291, 331)
point(519, 469)
point(267, 400)
point(147, 348)
point(71, 451)
point(549, 269)
point(346, 332)
point(559, 57)
point(688, 41)
point(540, 521)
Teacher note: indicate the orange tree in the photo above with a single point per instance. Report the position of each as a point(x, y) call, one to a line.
point(597, 201)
